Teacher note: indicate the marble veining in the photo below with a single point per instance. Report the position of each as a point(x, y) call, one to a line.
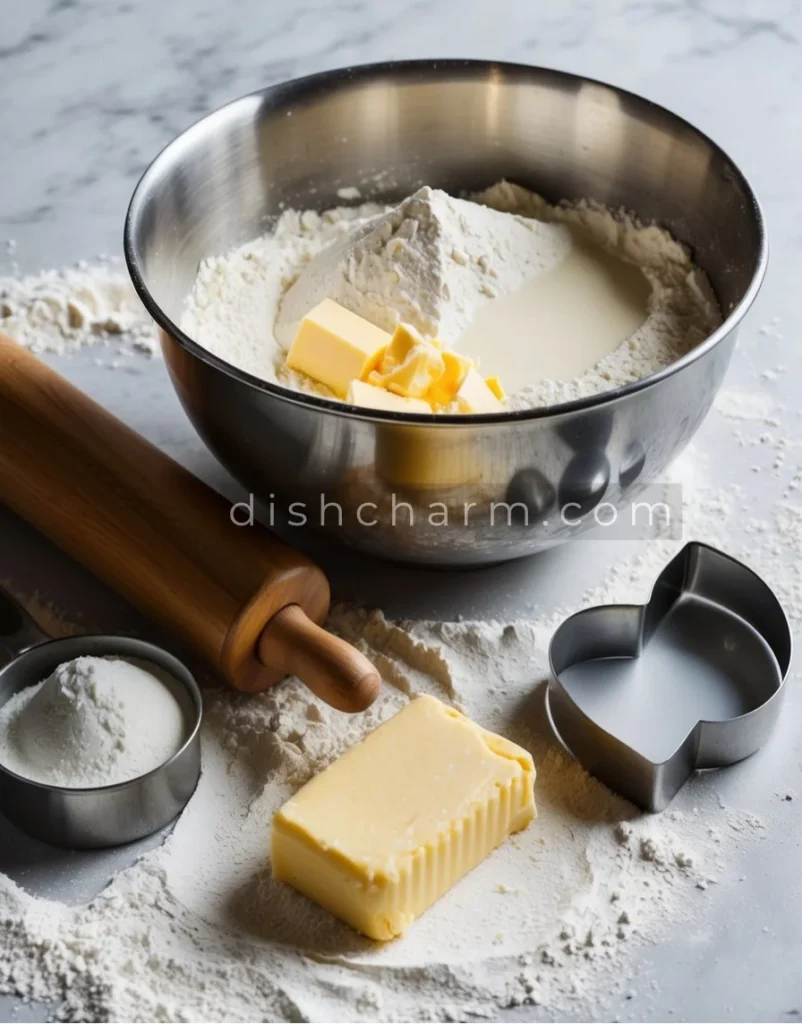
point(92, 89)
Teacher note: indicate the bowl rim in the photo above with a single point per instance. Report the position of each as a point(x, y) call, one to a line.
point(323, 79)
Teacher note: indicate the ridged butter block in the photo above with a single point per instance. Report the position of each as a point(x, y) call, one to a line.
point(382, 833)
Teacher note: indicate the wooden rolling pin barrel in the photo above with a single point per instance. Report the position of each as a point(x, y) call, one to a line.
point(143, 524)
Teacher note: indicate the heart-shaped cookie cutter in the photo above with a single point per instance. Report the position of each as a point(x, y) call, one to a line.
point(714, 630)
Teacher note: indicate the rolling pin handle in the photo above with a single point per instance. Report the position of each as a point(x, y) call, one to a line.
point(333, 669)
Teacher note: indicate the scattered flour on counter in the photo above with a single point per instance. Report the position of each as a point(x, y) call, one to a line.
point(433, 261)
point(349, 192)
point(756, 407)
point(62, 311)
point(47, 616)
point(198, 930)
point(94, 721)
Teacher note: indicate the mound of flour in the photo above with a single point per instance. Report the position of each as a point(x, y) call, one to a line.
point(433, 260)
point(92, 722)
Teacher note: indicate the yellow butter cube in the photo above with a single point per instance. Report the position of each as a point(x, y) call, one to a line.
point(335, 346)
point(361, 393)
point(404, 340)
point(415, 375)
point(445, 388)
point(408, 365)
point(385, 831)
point(495, 386)
point(474, 396)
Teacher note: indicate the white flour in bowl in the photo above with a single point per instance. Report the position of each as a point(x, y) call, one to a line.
point(432, 261)
point(93, 722)
point(435, 261)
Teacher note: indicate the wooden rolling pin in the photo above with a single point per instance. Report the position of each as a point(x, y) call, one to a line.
point(164, 540)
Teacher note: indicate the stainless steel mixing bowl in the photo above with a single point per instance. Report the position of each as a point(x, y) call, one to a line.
point(457, 125)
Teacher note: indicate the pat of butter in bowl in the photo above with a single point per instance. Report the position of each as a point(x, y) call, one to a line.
point(335, 346)
point(402, 372)
point(384, 832)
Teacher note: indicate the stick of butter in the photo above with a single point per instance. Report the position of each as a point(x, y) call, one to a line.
point(335, 346)
point(444, 389)
point(382, 833)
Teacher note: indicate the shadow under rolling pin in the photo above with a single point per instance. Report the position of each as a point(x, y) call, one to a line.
point(155, 533)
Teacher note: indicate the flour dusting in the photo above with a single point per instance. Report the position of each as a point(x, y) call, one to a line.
point(558, 917)
point(198, 930)
point(62, 311)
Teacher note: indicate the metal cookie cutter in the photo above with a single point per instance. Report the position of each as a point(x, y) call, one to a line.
point(103, 815)
point(643, 695)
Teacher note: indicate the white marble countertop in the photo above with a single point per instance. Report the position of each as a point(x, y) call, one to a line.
point(90, 90)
